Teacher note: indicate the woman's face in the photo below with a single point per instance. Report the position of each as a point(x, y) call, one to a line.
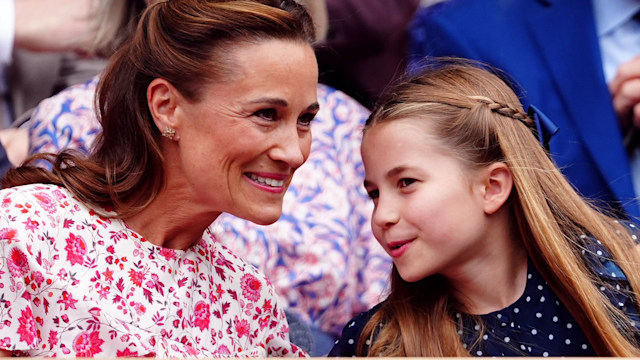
point(242, 141)
point(428, 212)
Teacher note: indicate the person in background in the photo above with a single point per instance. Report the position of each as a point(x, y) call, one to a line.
point(494, 252)
point(564, 55)
point(365, 47)
point(205, 110)
point(320, 255)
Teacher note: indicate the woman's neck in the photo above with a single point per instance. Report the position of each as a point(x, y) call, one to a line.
point(172, 220)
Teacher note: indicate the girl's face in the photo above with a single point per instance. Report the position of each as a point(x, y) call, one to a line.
point(428, 213)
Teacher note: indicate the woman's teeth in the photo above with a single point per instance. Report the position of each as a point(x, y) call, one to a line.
point(266, 181)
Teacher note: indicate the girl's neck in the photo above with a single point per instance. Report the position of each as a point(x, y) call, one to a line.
point(494, 279)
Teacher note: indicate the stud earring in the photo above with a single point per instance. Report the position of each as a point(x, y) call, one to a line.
point(169, 133)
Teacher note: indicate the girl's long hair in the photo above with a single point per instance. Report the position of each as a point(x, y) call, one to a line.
point(185, 42)
point(480, 118)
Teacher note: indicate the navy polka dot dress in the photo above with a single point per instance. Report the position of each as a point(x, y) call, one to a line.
point(537, 324)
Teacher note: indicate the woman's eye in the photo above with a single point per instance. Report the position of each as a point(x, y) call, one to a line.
point(373, 194)
point(406, 182)
point(306, 119)
point(267, 114)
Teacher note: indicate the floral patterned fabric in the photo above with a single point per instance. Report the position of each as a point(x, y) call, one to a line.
point(321, 256)
point(75, 284)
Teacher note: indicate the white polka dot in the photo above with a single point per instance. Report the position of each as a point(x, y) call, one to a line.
point(539, 315)
point(567, 341)
point(602, 288)
point(583, 236)
point(542, 298)
point(460, 331)
point(550, 336)
point(479, 353)
point(529, 348)
point(464, 346)
point(584, 346)
point(599, 252)
point(499, 316)
point(507, 339)
point(457, 315)
point(528, 298)
point(613, 274)
point(485, 337)
point(516, 310)
point(350, 341)
point(503, 324)
point(540, 287)
point(368, 342)
point(617, 287)
point(634, 237)
point(523, 347)
point(477, 327)
point(555, 319)
point(569, 325)
point(352, 323)
point(534, 331)
point(545, 354)
point(337, 341)
point(528, 276)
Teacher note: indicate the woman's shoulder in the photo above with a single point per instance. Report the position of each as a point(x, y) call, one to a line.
point(40, 196)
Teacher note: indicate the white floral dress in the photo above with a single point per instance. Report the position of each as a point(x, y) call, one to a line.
point(76, 284)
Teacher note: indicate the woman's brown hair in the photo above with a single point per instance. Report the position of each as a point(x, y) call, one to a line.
point(184, 42)
point(479, 118)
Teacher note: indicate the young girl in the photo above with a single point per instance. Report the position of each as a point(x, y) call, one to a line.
point(494, 252)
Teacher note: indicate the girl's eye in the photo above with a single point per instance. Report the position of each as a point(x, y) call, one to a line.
point(267, 114)
point(373, 194)
point(306, 119)
point(406, 182)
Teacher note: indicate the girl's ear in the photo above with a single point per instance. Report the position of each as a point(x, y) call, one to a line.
point(163, 98)
point(497, 185)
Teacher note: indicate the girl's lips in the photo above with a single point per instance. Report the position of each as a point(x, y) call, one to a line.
point(398, 248)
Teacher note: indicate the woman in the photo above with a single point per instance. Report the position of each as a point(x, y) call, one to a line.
point(206, 110)
point(494, 252)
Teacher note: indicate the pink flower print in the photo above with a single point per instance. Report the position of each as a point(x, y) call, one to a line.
point(27, 327)
point(250, 287)
point(31, 225)
point(58, 194)
point(7, 234)
point(38, 278)
point(168, 254)
point(87, 344)
point(68, 300)
point(223, 350)
point(53, 338)
point(242, 328)
point(137, 277)
point(18, 263)
point(201, 315)
point(46, 202)
point(75, 249)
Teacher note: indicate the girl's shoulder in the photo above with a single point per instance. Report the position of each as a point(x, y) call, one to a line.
point(347, 344)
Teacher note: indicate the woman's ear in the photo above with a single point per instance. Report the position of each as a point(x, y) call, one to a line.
point(497, 185)
point(162, 98)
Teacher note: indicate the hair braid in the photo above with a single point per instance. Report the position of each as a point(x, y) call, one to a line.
point(504, 110)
